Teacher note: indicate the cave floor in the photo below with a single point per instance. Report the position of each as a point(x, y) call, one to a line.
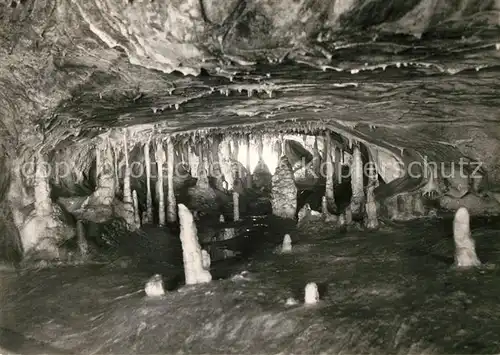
point(389, 291)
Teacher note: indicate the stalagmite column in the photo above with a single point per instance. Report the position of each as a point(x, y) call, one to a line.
point(348, 215)
point(83, 246)
point(104, 193)
point(191, 250)
point(316, 161)
point(127, 191)
point(137, 218)
point(337, 164)
point(225, 157)
point(149, 198)
point(171, 204)
point(358, 196)
point(371, 221)
point(465, 249)
point(194, 160)
point(160, 159)
point(284, 191)
point(330, 197)
point(215, 166)
point(249, 168)
point(236, 206)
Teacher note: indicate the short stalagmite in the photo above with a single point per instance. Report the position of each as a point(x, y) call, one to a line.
point(284, 191)
point(311, 294)
point(154, 287)
point(286, 246)
point(205, 259)
point(348, 215)
point(465, 249)
point(222, 219)
point(191, 250)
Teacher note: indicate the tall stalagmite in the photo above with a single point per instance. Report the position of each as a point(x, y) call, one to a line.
point(465, 248)
point(358, 195)
point(160, 160)
point(171, 204)
point(191, 250)
point(236, 206)
point(284, 191)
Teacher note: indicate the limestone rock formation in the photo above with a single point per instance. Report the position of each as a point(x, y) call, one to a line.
point(154, 287)
point(286, 246)
point(311, 294)
point(194, 271)
point(284, 191)
point(465, 249)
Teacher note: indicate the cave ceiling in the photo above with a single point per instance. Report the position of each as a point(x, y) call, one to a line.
point(71, 69)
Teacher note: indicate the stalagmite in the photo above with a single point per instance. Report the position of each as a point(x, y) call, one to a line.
point(348, 215)
point(418, 205)
point(205, 259)
point(225, 157)
point(236, 206)
point(104, 193)
point(284, 191)
point(371, 221)
point(311, 294)
point(127, 191)
point(465, 250)
point(324, 206)
point(341, 220)
point(149, 198)
point(303, 215)
point(128, 206)
point(137, 218)
point(154, 287)
point(337, 163)
point(316, 162)
point(358, 197)
point(222, 219)
point(286, 246)
point(194, 161)
point(83, 246)
point(171, 204)
point(160, 159)
point(330, 198)
point(248, 166)
point(215, 169)
point(191, 250)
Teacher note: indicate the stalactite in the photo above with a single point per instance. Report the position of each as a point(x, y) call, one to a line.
point(149, 198)
point(171, 203)
point(160, 160)
point(249, 168)
point(260, 147)
point(358, 196)
point(236, 206)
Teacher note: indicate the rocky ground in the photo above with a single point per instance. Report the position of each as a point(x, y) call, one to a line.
point(389, 291)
